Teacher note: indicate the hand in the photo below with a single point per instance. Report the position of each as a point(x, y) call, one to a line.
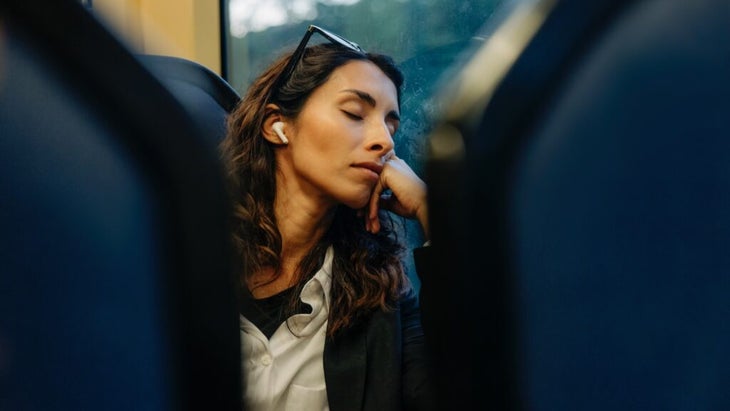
point(407, 196)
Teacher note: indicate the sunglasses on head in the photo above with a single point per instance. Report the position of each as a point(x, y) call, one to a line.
point(299, 52)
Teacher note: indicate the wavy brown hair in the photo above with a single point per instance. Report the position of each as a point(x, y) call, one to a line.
point(367, 272)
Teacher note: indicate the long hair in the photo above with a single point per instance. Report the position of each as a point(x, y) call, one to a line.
point(367, 272)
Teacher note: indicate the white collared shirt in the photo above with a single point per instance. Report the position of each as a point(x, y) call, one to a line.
point(286, 372)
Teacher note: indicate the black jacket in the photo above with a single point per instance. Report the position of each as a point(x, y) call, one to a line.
point(381, 363)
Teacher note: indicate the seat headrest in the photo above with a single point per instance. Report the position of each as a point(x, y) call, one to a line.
point(206, 96)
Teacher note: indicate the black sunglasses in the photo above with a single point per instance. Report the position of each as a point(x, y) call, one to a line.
point(299, 52)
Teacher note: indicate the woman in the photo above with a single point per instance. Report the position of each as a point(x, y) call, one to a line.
point(329, 320)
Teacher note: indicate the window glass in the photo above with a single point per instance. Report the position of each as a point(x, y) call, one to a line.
point(425, 37)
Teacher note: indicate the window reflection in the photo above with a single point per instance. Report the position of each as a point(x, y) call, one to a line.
point(254, 15)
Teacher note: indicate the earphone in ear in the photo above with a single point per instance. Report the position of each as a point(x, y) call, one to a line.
point(278, 128)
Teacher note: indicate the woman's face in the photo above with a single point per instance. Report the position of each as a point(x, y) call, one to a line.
point(343, 132)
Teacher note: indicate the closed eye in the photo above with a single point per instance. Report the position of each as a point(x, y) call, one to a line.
point(393, 126)
point(353, 116)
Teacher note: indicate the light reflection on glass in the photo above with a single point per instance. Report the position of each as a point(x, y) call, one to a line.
point(255, 15)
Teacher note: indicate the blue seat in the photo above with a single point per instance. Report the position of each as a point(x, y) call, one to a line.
point(116, 289)
point(590, 236)
point(204, 94)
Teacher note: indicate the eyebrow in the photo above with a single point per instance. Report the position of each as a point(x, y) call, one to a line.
point(367, 98)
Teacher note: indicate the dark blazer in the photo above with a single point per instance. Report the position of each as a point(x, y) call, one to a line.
point(381, 362)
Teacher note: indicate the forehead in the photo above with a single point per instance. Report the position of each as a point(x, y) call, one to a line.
point(361, 75)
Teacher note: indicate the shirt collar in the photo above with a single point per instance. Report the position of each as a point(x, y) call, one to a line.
point(316, 293)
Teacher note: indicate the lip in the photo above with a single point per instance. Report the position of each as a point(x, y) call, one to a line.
point(370, 165)
point(374, 167)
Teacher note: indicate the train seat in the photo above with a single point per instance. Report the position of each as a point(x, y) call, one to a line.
point(206, 96)
point(592, 219)
point(116, 289)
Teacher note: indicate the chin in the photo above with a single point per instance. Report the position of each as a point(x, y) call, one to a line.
point(356, 205)
point(357, 202)
point(357, 196)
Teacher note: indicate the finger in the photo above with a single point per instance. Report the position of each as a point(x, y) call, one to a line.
point(373, 206)
point(374, 199)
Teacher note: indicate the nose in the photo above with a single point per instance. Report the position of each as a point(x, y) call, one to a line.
point(380, 141)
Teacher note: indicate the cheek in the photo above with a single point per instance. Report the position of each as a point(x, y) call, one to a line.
point(338, 132)
point(324, 141)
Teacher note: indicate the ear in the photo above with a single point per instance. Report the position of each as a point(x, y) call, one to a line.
point(269, 131)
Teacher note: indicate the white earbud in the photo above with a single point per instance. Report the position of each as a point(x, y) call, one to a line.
point(278, 128)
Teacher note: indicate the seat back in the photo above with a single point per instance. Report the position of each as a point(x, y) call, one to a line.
point(204, 94)
point(596, 224)
point(116, 289)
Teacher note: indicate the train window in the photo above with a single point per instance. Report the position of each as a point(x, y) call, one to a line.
point(425, 37)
